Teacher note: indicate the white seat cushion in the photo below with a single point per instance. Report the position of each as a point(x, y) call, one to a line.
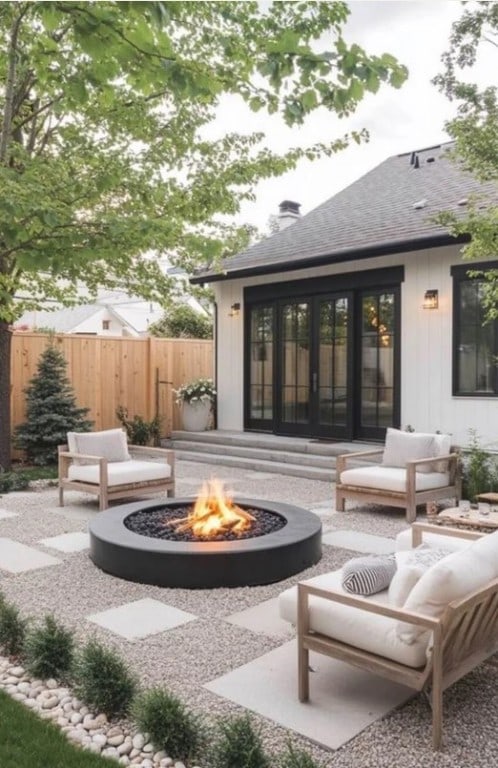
point(121, 472)
point(351, 625)
point(392, 479)
point(452, 578)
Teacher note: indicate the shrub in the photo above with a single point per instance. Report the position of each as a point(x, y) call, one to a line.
point(13, 481)
point(479, 470)
point(296, 758)
point(170, 726)
point(138, 430)
point(182, 322)
point(12, 629)
point(48, 650)
point(102, 679)
point(239, 746)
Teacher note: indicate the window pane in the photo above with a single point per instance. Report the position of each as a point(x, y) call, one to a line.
point(475, 342)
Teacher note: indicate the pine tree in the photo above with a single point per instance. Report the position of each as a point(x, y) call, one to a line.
point(51, 410)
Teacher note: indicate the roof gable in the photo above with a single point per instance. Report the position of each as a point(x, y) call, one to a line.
point(388, 209)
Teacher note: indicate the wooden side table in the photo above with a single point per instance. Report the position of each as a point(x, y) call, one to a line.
point(491, 498)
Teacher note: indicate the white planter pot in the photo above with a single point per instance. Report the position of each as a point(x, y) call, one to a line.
point(196, 416)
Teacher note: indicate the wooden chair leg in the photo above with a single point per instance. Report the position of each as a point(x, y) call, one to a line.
point(303, 672)
point(340, 502)
point(411, 512)
point(61, 495)
point(103, 500)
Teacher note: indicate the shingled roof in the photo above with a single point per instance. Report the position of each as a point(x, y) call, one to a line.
point(389, 210)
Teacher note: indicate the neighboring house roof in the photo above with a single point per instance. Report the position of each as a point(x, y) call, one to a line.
point(389, 210)
point(60, 320)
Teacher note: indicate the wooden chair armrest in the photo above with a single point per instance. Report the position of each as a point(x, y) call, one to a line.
point(341, 460)
point(450, 457)
point(444, 530)
point(149, 449)
point(361, 454)
point(86, 456)
point(357, 601)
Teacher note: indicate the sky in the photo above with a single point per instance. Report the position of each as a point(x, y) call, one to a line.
point(413, 117)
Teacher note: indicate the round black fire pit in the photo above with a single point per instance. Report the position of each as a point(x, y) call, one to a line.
point(205, 564)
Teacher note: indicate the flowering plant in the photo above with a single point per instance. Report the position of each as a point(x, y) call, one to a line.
point(200, 390)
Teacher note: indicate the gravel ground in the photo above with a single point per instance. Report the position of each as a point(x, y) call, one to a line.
point(185, 658)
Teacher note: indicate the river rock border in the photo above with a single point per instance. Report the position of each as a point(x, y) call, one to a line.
point(54, 702)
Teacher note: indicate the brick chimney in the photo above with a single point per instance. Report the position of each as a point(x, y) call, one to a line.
point(288, 213)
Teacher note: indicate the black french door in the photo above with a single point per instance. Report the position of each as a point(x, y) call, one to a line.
point(326, 365)
point(312, 396)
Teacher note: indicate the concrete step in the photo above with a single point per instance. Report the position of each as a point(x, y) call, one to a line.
point(267, 441)
point(259, 465)
point(256, 454)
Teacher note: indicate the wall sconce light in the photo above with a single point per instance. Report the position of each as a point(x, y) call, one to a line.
point(234, 310)
point(431, 299)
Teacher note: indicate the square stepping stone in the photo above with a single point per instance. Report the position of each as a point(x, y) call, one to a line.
point(68, 542)
point(18, 558)
point(360, 542)
point(141, 618)
point(264, 619)
point(4, 514)
point(343, 700)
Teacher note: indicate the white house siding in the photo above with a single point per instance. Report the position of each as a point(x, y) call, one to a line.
point(93, 324)
point(426, 347)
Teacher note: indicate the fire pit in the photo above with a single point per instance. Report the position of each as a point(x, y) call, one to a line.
point(254, 542)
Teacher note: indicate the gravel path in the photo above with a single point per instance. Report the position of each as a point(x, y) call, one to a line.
point(185, 658)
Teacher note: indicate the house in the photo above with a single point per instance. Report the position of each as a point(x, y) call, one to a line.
point(360, 315)
point(114, 314)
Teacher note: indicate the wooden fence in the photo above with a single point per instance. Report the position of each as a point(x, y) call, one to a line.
point(139, 374)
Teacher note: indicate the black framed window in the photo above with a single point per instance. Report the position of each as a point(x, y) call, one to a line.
point(475, 341)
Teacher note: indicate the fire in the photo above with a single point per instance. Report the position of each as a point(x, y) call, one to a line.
point(214, 513)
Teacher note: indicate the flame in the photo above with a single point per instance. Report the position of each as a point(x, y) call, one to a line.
point(214, 513)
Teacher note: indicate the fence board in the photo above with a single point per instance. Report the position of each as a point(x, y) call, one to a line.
point(106, 371)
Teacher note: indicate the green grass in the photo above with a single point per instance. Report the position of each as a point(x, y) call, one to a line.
point(37, 473)
point(26, 741)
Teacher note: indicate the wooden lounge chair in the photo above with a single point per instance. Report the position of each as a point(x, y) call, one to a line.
point(405, 477)
point(103, 464)
point(426, 647)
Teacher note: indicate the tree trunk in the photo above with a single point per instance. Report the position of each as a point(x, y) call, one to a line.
point(5, 345)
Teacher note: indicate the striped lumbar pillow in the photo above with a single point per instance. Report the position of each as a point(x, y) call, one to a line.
point(368, 575)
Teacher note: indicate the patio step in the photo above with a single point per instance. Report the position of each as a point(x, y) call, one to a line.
point(300, 457)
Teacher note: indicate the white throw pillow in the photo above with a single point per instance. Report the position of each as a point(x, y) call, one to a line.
point(109, 444)
point(401, 447)
point(452, 578)
point(411, 565)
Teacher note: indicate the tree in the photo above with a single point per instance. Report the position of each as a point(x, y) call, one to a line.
point(475, 131)
point(103, 156)
point(51, 410)
point(182, 322)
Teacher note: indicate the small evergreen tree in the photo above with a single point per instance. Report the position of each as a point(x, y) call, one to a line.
point(51, 410)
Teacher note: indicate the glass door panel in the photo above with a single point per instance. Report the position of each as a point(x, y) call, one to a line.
point(295, 369)
point(261, 341)
point(378, 364)
point(333, 366)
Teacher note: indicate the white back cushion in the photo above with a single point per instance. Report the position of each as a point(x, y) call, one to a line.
point(401, 447)
point(109, 444)
point(452, 578)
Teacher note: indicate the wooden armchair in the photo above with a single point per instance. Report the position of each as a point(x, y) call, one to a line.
point(402, 483)
point(103, 464)
point(426, 644)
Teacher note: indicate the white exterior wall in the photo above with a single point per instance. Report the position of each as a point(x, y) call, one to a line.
point(426, 347)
